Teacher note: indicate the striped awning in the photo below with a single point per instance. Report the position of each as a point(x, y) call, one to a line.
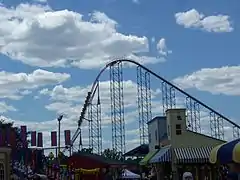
point(146, 159)
point(193, 155)
point(163, 155)
point(226, 153)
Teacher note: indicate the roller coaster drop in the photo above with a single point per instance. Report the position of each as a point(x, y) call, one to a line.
point(194, 107)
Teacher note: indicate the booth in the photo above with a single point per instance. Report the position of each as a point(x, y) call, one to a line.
point(87, 166)
point(129, 175)
point(227, 156)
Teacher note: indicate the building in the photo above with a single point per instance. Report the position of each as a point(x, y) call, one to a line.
point(157, 131)
point(5, 163)
point(170, 142)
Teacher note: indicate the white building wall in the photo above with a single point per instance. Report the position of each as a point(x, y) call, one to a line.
point(157, 130)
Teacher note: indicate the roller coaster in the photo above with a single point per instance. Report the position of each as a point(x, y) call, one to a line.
point(215, 124)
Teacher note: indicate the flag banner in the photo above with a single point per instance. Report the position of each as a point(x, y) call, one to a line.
point(54, 138)
point(33, 138)
point(8, 134)
point(1, 138)
point(24, 135)
point(67, 134)
point(33, 159)
point(39, 140)
point(13, 138)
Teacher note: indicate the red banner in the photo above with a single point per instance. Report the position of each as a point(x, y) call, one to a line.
point(24, 135)
point(8, 133)
point(13, 138)
point(2, 137)
point(39, 139)
point(54, 138)
point(67, 134)
point(33, 138)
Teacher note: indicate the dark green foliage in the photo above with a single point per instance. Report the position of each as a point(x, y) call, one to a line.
point(4, 125)
point(112, 154)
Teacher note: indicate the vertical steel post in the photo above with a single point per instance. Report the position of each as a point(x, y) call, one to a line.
point(144, 103)
point(117, 108)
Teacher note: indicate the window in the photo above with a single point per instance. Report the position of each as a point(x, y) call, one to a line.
point(178, 129)
point(179, 118)
point(149, 138)
point(2, 172)
point(178, 126)
point(156, 135)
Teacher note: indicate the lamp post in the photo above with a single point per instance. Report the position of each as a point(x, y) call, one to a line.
point(59, 129)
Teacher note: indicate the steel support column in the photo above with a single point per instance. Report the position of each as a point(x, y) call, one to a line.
point(117, 107)
point(144, 103)
point(236, 132)
point(168, 97)
point(193, 115)
point(216, 126)
point(95, 126)
point(95, 132)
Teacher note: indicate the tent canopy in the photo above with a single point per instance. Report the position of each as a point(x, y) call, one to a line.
point(226, 153)
point(129, 175)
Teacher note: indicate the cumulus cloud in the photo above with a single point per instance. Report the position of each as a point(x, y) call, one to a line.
point(69, 100)
point(16, 85)
point(136, 1)
point(41, 1)
point(162, 47)
point(194, 19)
point(223, 80)
point(64, 38)
point(4, 107)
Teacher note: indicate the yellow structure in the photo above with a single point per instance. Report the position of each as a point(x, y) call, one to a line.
point(179, 136)
point(186, 144)
point(181, 148)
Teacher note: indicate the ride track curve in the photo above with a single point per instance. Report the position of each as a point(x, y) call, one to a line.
point(169, 101)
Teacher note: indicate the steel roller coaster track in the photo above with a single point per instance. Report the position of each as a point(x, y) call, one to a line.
point(169, 91)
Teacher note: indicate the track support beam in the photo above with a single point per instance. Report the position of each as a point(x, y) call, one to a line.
point(117, 108)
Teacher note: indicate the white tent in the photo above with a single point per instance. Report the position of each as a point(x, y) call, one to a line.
point(129, 175)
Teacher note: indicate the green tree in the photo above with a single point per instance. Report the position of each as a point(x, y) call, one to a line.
point(5, 125)
point(87, 150)
point(112, 154)
point(84, 150)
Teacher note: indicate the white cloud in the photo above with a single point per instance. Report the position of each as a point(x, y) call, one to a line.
point(41, 1)
point(64, 38)
point(5, 108)
point(77, 93)
point(162, 47)
point(194, 19)
point(136, 1)
point(69, 100)
point(61, 93)
point(224, 80)
point(153, 39)
point(16, 85)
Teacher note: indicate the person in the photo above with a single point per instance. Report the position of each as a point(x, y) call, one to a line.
point(187, 176)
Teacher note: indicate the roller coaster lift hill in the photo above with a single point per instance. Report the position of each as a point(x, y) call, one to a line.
point(194, 108)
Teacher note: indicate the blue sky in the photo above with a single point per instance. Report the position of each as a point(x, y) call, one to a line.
point(49, 56)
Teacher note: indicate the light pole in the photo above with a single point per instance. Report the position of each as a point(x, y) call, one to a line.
point(59, 129)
